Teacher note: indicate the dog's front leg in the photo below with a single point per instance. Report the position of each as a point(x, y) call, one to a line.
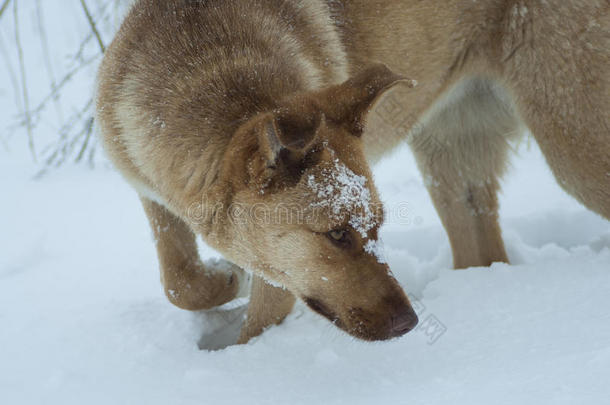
point(463, 187)
point(268, 306)
point(189, 284)
point(462, 161)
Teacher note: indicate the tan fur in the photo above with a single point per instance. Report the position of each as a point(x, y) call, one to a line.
point(216, 108)
point(235, 121)
point(268, 305)
point(487, 69)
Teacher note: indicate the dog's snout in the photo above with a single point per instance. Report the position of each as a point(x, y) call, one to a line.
point(403, 321)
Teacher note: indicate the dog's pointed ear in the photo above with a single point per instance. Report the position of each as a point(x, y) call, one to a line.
point(350, 102)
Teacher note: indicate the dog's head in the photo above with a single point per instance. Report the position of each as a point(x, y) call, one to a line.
point(305, 212)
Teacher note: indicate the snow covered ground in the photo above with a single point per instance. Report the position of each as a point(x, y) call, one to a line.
point(83, 318)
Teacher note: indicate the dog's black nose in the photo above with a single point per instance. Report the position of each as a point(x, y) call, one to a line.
point(403, 321)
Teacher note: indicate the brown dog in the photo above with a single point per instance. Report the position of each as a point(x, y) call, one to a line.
point(235, 120)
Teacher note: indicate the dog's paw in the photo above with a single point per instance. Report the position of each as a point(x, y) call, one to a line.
point(236, 275)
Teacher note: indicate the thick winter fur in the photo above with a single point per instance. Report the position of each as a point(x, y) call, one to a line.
point(236, 121)
point(208, 105)
point(488, 69)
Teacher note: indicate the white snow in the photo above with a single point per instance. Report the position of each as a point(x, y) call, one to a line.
point(343, 191)
point(84, 319)
point(375, 248)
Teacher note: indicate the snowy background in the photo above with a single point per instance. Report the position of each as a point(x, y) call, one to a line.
point(83, 318)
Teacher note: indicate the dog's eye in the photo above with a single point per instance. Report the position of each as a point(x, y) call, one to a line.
point(339, 236)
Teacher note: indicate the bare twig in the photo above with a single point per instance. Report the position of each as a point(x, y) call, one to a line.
point(66, 145)
point(47, 58)
point(115, 13)
point(105, 18)
point(88, 132)
point(11, 73)
point(93, 26)
point(78, 56)
point(92, 150)
point(64, 81)
point(4, 7)
point(76, 140)
point(14, 83)
point(24, 86)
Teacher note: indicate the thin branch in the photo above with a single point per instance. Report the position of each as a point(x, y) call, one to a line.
point(4, 7)
point(93, 26)
point(24, 86)
point(11, 73)
point(14, 82)
point(76, 138)
point(64, 147)
point(88, 132)
point(78, 56)
point(92, 149)
point(115, 14)
point(47, 58)
point(59, 86)
point(105, 18)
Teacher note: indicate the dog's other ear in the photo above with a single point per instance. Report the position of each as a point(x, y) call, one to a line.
point(288, 132)
point(350, 102)
point(280, 140)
